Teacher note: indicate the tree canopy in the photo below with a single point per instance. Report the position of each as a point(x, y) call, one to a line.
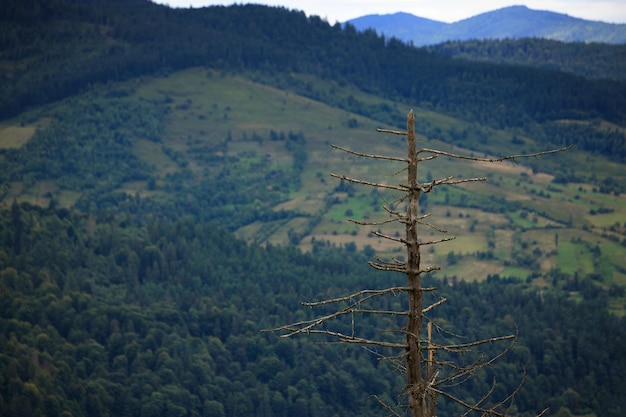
point(128, 314)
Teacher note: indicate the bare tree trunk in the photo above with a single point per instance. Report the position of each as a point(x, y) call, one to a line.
point(415, 382)
point(425, 379)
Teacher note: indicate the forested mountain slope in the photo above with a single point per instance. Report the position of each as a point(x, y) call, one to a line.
point(124, 314)
point(512, 22)
point(137, 141)
point(256, 160)
point(94, 42)
point(592, 60)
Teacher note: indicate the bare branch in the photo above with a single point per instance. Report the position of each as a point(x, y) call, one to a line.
point(428, 158)
point(438, 303)
point(371, 184)
point(463, 371)
point(394, 263)
point(434, 242)
point(357, 340)
point(471, 407)
point(369, 293)
point(432, 227)
point(308, 326)
point(502, 158)
point(393, 212)
point(381, 223)
point(381, 312)
point(429, 269)
point(451, 181)
point(364, 155)
point(476, 343)
point(387, 267)
point(387, 406)
point(483, 398)
point(397, 132)
point(393, 132)
point(395, 239)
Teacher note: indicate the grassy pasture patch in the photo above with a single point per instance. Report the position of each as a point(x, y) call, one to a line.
point(218, 122)
point(608, 199)
point(12, 136)
point(573, 258)
point(607, 219)
point(67, 198)
point(523, 219)
point(303, 203)
point(359, 208)
point(152, 153)
point(338, 227)
point(472, 270)
point(514, 271)
point(544, 238)
point(612, 254)
point(503, 239)
point(262, 231)
point(212, 106)
point(41, 193)
point(283, 232)
point(466, 244)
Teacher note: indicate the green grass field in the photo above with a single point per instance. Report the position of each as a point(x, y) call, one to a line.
point(574, 258)
point(215, 118)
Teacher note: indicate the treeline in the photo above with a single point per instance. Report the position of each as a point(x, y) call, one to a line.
point(83, 43)
point(126, 313)
point(589, 60)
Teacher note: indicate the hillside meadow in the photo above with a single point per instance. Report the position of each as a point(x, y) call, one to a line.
point(166, 196)
point(264, 153)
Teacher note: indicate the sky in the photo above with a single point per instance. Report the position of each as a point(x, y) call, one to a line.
point(611, 11)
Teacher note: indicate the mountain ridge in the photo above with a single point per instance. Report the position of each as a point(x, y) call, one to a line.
point(143, 139)
point(509, 22)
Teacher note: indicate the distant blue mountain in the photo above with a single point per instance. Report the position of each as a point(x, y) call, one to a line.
point(401, 25)
point(512, 22)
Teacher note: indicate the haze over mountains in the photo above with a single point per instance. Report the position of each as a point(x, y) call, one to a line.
point(510, 22)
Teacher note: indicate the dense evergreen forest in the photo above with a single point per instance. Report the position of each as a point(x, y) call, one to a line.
point(55, 49)
point(126, 314)
point(128, 303)
point(587, 60)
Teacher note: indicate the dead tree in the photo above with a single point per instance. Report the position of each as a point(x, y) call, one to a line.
point(427, 375)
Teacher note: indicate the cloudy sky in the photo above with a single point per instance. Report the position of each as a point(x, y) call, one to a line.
point(612, 11)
